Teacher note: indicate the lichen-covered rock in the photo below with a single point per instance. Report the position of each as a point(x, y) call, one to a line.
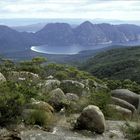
point(91, 119)
point(49, 85)
point(70, 86)
point(123, 104)
point(123, 112)
point(72, 97)
point(2, 78)
point(22, 76)
point(37, 117)
point(40, 105)
point(126, 95)
point(57, 99)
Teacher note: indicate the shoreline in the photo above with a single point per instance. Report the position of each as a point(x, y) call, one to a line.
point(33, 48)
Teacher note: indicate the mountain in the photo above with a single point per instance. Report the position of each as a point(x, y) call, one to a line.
point(119, 64)
point(131, 32)
point(86, 35)
point(29, 28)
point(56, 34)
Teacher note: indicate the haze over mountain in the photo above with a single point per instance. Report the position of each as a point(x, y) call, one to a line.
point(62, 34)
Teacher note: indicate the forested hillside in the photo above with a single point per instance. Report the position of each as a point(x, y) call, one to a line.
point(122, 63)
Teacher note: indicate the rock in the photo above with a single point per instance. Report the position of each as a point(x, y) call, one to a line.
point(50, 85)
point(91, 119)
point(125, 113)
point(2, 78)
point(50, 77)
point(123, 104)
point(72, 97)
point(126, 95)
point(37, 116)
point(70, 86)
point(40, 105)
point(22, 76)
point(57, 99)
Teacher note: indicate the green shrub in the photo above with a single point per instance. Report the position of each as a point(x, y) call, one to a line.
point(40, 117)
point(11, 105)
point(132, 132)
point(61, 75)
point(101, 99)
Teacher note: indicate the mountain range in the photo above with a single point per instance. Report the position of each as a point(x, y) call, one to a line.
point(62, 34)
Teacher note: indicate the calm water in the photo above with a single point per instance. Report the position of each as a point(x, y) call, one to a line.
point(74, 49)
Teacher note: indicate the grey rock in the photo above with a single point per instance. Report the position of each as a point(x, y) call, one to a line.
point(91, 119)
point(2, 78)
point(125, 113)
point(70, 86)
point(57, 99)
point(126, 95)
point(49, 85)
point(123, 104)
point(72, 97)
point(23, 76)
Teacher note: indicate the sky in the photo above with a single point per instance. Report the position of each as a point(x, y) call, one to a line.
point(84, 9)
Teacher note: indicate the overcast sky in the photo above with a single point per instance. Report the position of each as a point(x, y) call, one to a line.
point(86, 9)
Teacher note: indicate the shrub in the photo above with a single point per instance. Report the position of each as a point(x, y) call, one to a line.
point(61, 75)
point(132, 132)
point(11, 104)
point(100, 99)
point(40, 117)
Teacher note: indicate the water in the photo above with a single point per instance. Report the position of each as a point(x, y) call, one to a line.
point(67, 50)
point(75, 49)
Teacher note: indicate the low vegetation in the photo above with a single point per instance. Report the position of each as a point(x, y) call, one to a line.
point(122, 63)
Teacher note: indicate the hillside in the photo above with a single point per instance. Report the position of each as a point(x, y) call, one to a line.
point(122, 63)
point(86, 34)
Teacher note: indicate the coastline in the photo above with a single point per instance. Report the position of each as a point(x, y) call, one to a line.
point(34, 48)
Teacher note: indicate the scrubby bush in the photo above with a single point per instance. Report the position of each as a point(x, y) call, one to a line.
point(11, 104)
point(61, 75)
point(40, 117)
point(101, 99)
point(13, 97)
point(132, 132)
point(126, 84)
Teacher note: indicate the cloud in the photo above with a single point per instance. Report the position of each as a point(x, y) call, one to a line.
point(113, 9)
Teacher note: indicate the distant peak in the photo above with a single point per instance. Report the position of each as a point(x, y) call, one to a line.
point(87, 23)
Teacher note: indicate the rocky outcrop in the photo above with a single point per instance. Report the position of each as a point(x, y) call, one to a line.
point(126, 95)
point(49, 85)
point(72, 97)
point(23, 76)
point(70, 86)
point(91, 119)
point(2, 78)
point(38, 112)
point(123, 104)
point(122, 112)
point(57, 99)
point(40, 105)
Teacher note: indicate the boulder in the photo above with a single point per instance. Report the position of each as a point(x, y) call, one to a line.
point(126, 95)
point(22, 76)
point(40, 105)
point(50, 77)
point(2, 78)
point(50, 85)
point(123, 104)
point(91, 119)
point(72, 97)
point(70, 86)
point(37, 117)
point(125, 113)
point(57, 99)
